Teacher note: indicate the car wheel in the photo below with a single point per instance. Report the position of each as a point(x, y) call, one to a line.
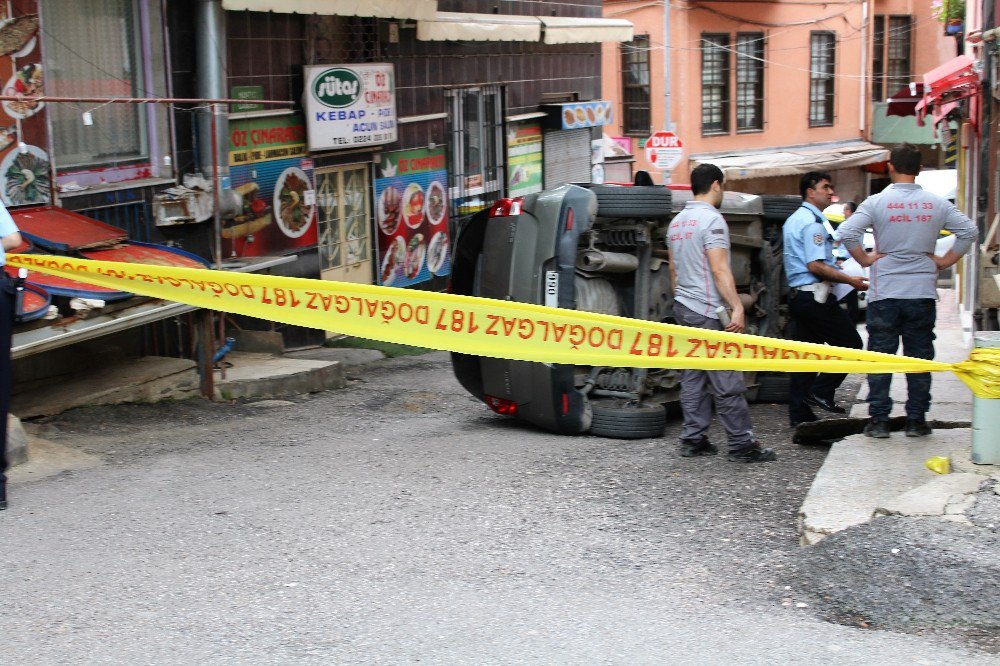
point(626, 420)
point(753, 388)
point(773, 387)
point(636, 201)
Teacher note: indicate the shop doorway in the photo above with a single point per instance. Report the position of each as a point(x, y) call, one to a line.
point(344, 216)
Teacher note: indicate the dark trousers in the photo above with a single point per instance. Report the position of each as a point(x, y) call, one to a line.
point(822, 323)
point(911, 319)
point(7, 298)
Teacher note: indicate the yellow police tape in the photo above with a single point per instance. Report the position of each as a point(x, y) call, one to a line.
point(488, 327)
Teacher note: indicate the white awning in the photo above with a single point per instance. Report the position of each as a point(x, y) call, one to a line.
point(566, 30)
point(462, 27)
point(794, 161)
point(401, 9)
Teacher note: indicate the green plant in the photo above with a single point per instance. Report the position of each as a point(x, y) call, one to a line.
point(948, 11)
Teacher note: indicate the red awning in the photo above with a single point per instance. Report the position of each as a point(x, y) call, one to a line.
point(945, 86)
point(904, 101)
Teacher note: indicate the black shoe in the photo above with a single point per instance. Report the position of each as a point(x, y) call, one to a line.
point(877, 429)
point(3, 495)
point(753, 454)
point(703, 447)
point(806, 415)
point(824, 404)
point(917, 428)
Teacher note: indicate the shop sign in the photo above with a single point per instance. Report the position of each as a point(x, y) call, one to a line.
point(270, 169)
point(350, 105)
point(524, 159)
point(584, 114)
point(248, 93)
point(411, 213)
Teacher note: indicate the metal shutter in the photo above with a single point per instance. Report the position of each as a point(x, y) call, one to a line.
point(567, 157)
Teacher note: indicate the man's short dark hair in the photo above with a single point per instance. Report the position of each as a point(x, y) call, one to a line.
point(905, 159)
point(810, 180)
point(702, 177)
point(850, 204)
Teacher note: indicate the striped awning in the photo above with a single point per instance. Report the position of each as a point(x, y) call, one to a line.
point(398, 9)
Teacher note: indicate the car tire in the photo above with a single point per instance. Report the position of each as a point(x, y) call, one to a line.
point(635, 201)
point(618, 420)
point(773, 387)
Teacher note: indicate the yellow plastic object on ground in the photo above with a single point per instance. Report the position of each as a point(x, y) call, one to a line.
point(488, 327)
point(938, 465)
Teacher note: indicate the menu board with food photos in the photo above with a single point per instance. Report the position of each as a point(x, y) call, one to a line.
point(25, 175)
point(272, 173)
point(411, 215)
point(524, 159)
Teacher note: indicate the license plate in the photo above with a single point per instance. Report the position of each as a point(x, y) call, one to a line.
point(552, 289)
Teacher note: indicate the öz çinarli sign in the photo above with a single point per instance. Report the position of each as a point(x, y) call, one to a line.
point(350, 105)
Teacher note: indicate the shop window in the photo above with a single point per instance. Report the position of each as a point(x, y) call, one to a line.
point(344, 229)
point(892, 64)
point(96, 49)
point(636, 118)
point(714, 83)
point(749, 81)
point(476, 160)
point(822, 62)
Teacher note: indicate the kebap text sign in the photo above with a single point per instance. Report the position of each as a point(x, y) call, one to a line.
point(350, 105)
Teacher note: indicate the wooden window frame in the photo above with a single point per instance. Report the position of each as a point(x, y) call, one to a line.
point(750, 82)
point(715, 83)
point(822, 78)
point(636, 96)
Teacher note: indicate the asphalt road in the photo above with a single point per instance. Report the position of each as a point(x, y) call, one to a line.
point(398, 521)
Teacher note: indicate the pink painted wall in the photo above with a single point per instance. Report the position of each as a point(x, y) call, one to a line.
point(786, 75)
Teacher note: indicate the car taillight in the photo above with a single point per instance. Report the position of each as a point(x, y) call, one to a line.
point(506, 208)
point(569, 219)
point(565, 404)
point(501, 405)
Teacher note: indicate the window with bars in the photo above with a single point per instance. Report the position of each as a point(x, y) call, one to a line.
point(476, 151)
point(95, 50)
point(636, 119)
point(714, 83)
point(892, 61)
point(749, 81)
point(822, 64)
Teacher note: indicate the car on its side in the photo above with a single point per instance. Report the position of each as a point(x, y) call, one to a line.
point(600, 248)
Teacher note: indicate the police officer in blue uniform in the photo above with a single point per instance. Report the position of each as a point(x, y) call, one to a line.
point(10, 238)
point(816, 316)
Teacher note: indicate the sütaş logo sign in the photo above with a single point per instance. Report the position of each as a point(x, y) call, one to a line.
point(337, 88)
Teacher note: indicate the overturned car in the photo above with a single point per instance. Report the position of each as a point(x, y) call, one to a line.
point(600, 248)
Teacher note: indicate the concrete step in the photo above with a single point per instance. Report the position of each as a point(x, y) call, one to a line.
point(146, 379)
point(861, 474)
point(254, 375)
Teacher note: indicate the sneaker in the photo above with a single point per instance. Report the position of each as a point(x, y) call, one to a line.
point(702, 447)
point(877, 429)
point(917, 428)
point(805, 415)
point(824, 404)
point(753, 454)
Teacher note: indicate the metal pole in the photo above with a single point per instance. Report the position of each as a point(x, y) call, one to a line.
point(668, 124)
point(986, 414)
point(217, 225)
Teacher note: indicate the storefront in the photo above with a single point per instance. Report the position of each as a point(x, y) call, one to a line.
point(567, 143)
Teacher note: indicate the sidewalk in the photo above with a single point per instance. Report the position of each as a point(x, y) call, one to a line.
point(863, 477)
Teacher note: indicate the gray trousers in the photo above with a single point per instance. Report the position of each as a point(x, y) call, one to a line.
point(699, 388)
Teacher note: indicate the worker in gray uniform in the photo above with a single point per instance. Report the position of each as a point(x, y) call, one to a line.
point(698, 244)
point(906, 221)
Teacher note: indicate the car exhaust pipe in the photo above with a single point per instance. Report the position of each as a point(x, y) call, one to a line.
point(596, 261)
